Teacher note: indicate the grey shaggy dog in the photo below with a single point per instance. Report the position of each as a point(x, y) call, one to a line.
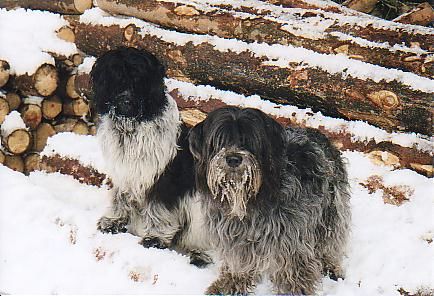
point(276, 201)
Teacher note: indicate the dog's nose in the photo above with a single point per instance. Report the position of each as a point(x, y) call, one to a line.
point(234, 160)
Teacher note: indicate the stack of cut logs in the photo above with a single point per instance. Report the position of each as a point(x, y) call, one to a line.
point(54, 99)
point(46, 99)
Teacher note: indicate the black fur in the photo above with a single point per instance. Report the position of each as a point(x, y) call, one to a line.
point(129, 82)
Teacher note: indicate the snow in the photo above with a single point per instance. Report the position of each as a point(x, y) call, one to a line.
point(12, 122)
point(274, 55)
point(26, 44)
point(35, 100)
point(47, 225)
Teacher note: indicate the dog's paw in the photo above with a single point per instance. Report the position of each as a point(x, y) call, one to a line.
point(228, 284)
point(200, 259)
point(112, 225)
point(153, 242)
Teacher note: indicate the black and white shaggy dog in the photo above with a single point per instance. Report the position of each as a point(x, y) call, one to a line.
point(146, 149)
point(276, 201)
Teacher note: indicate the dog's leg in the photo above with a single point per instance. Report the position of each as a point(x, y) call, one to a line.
point(232, 284)
point(157, 225)
point(299, 276)
point(199, 258)
point(118, 220)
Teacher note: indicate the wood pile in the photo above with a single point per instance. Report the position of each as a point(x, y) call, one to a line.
point(307, 54)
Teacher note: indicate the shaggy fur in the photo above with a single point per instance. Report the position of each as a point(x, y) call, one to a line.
point(146, 150)
point(276, 201)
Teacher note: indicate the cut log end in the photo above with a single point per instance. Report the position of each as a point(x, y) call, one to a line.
point(82, 5)
point(42, 133)
point(4, 72)
point(32, 115)
point(70, 88)
point(78, 107)
point(46, 80)
point(67, 34)
point(18, 142)
point(32, 162)
point(13, 100)
point(4, 109)
point(51, 107)
point(14, 162)
point(2, 157)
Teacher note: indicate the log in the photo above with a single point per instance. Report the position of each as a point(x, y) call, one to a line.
point(2, 157)
point(14, 162)
point(41, 134)
point(32, 162)
point(42, 83)
point(70, 88)
point(59, 6)
point(249, 69)
point(319, 5)
point(51, 107)
point(252, 27)
point(32, 115)
point(72, 125)
point(13, 100)
point(84, 174)
point(422, 15)
point(366, 27)
point(365, 6)
point(4, 72)
point(194, 108)
point(18, 141)
point(78, 107)
point(66, 33)
point(4, 109)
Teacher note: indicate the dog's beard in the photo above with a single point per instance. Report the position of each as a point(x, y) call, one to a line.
point(236, 186)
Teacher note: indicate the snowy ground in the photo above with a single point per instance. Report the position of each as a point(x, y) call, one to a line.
point(49, 243)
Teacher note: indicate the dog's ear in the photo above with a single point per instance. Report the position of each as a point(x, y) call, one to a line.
point(195, 139)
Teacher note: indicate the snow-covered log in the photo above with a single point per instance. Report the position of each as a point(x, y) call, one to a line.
point(59, 6)
point(64, 165)
point(423, 15)
point(16, 138)
point(226, 23)
point(335, 85)
point(200, 100)
point(41, 83)
point(4, 72)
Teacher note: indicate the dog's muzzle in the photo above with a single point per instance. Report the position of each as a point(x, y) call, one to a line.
point(234, 176)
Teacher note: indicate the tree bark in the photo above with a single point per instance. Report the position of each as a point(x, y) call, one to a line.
point(390, 105)
point(365, 6)
point(370, 27)
point(59, 6)
point(422, 15)
point(67, 166)
point(42, 83)
point(252, 27)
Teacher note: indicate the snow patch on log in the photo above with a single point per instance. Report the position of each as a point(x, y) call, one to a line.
point(26, 44)
point(275, 55)
point(360, 131)
point(81, 147)
point(86, 65)
point(13, 121)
